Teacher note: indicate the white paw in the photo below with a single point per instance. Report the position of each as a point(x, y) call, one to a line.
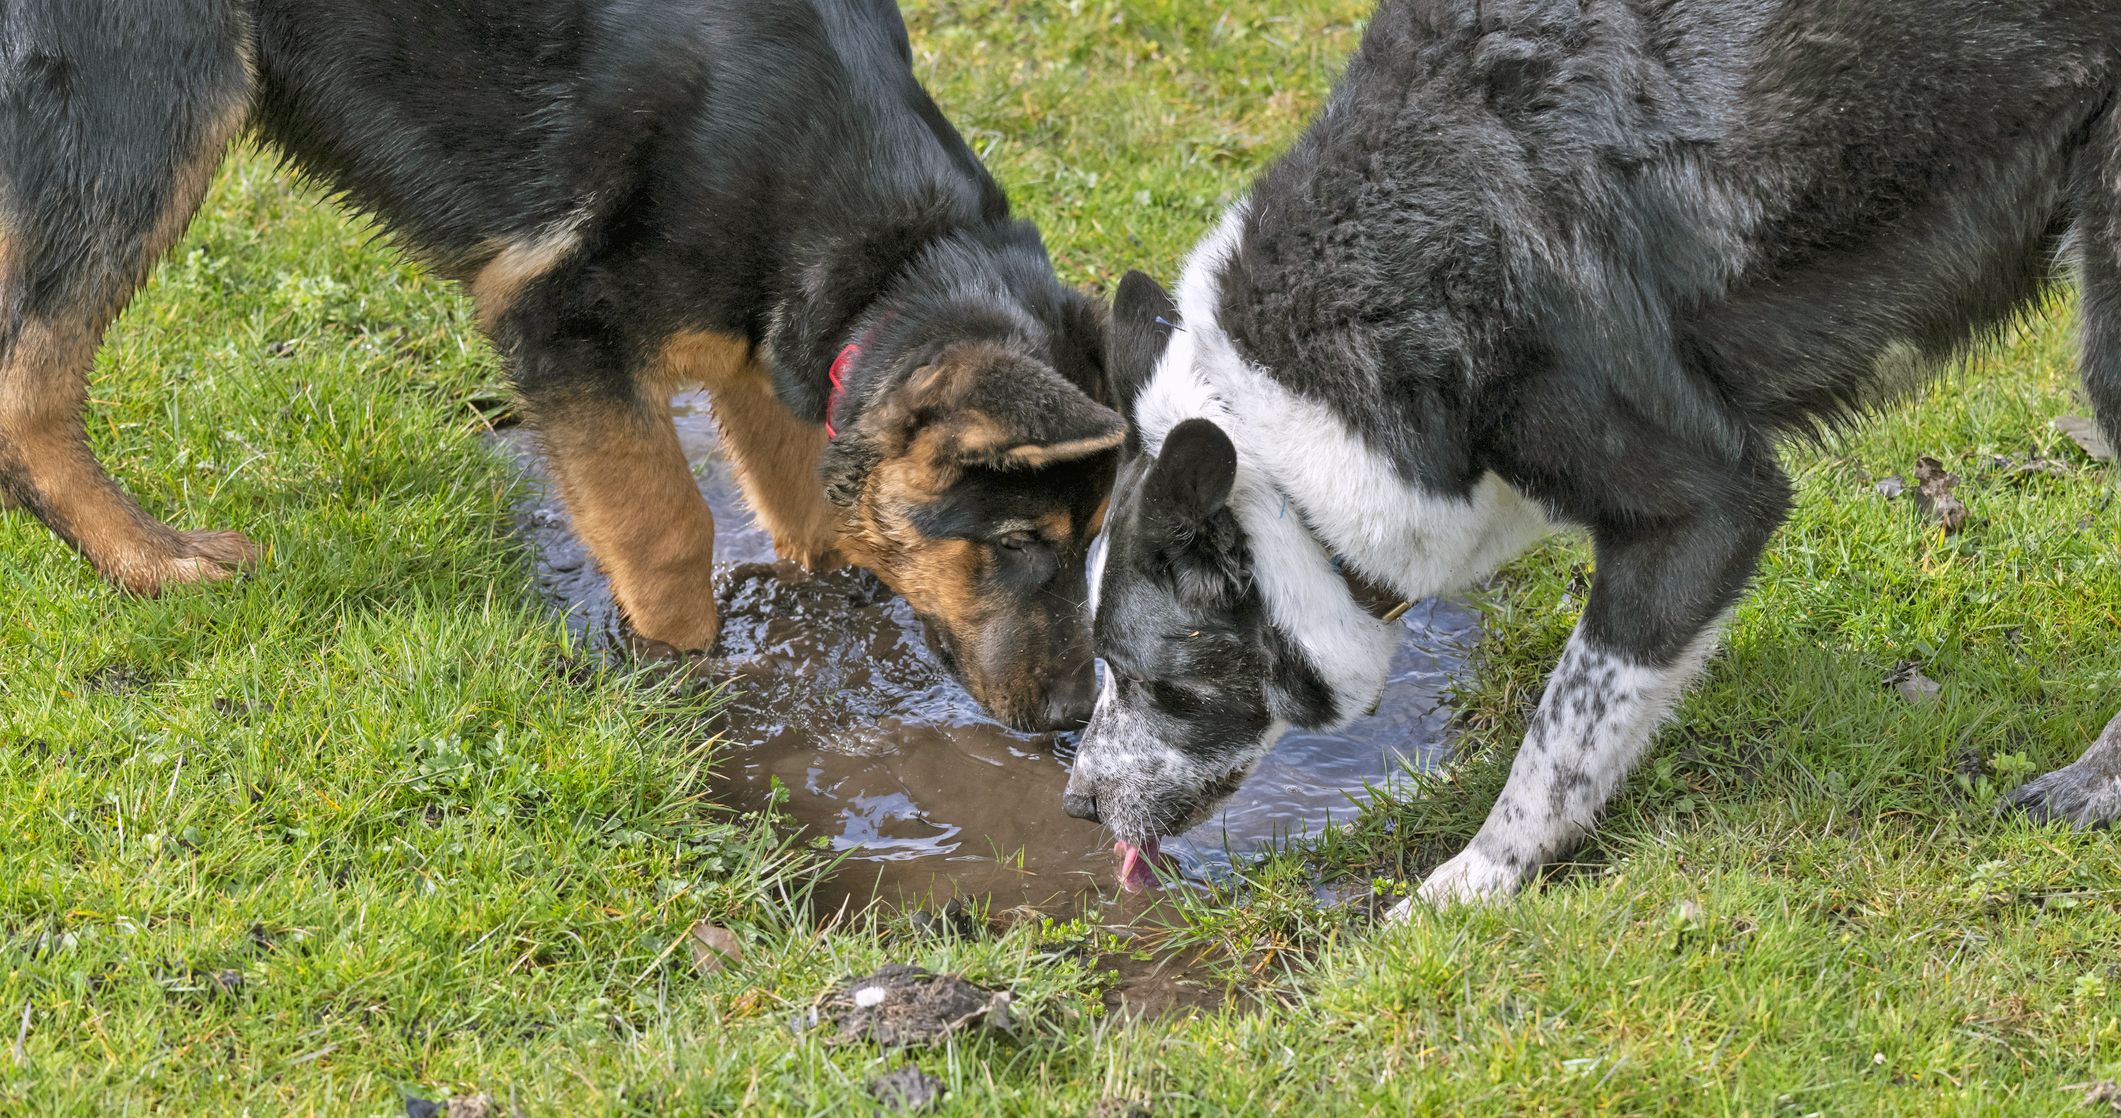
point(1470, 878)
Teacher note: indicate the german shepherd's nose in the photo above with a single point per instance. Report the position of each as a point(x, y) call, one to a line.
point(1070, 698)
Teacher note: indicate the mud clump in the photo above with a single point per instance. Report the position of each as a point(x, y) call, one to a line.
point(905, 1007)
point(458, 1106)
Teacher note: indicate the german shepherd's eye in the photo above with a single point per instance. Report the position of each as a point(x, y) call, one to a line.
point(1026, 559)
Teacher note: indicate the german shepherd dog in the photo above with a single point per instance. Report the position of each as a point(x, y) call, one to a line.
point(752, 195)
point(1569, 262)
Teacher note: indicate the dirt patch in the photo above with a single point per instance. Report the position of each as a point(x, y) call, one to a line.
point(904, 1006)
point(117, 679)
point(457, 1106)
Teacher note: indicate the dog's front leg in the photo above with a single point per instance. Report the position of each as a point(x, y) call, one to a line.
point(1651, 624)
point(2085, 794)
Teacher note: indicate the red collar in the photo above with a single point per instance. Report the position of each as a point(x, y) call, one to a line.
point(838, 376)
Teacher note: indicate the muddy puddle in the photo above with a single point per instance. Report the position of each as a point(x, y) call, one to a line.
point(838, 699)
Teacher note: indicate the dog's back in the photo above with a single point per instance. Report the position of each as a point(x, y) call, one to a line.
point(1778, 201)
point(756, 196)
point(1587, 261)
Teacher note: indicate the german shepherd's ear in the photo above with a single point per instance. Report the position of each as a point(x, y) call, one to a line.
point(1143, 317)
point(983, 404)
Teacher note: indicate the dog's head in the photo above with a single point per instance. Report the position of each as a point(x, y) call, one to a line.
point(971, 480)
point(1199, 681)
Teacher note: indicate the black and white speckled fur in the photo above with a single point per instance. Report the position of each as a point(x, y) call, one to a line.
point(1579, 262)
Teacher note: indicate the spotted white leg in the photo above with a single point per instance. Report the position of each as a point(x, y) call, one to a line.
point(1599, 713)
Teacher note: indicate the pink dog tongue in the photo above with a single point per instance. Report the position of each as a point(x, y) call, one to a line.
point(1137, 864)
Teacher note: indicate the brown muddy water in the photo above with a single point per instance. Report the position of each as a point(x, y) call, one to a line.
point(837, 697)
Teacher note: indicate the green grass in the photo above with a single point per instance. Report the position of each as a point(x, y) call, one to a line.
point(367, 823)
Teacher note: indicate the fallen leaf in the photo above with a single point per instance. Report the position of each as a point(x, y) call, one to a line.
point(1933, 493)
point(2105, 1091)
point(713, 947)
point(1918, 689)
point(909, 1088)
point(2085, 434)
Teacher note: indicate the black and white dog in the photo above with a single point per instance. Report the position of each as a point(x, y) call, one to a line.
point(1569, 262)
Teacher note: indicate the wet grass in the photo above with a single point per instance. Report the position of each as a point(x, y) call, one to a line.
point(366, 824)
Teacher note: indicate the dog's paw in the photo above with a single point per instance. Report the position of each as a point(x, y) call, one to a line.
point(1472, 877)
point(2086, 796)
point(185, 559)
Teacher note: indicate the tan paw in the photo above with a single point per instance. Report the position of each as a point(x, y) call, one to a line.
point(670, 633)
point(192, 557)
point(814, 557)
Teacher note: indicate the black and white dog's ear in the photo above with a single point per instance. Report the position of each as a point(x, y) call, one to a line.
point(1143, 317)
point(1191, 479)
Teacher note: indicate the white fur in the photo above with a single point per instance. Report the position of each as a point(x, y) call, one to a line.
point(1300, 468)
point(1598, 714)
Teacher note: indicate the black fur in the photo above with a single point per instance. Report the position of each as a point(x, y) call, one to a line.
point(1612, 252)
point(764, 170)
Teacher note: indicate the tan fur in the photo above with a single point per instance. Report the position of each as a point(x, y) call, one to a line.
point(634, 503)
point(43, 391)
point(1029, 457)
point(971, 434)
point(775, 455)
point(939, 578)
point(514, 264)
